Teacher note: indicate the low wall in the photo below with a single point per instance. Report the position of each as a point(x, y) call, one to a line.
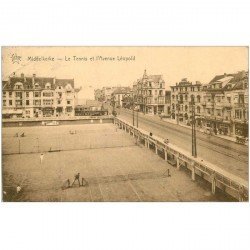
point(24, 122)
point(218, 177)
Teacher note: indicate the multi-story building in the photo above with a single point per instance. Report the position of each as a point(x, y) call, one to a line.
point(119, 94)
point(167, 108)
point(99, 95)
point(25, 96)
point(226, 104)
point(107, 93)
point(149, 92)
point(185, 95)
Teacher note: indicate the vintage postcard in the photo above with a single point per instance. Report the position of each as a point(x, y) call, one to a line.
point(130, 124)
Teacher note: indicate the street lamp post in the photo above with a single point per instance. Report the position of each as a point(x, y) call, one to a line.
point(194, 148)
point(137, 117)
point(178, 112)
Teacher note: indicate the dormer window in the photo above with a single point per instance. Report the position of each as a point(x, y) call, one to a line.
point(48, 86)
point(68, 88)
point(36, 86)
point(18, 85)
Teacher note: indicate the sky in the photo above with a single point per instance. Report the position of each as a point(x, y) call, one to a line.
point(174, 63)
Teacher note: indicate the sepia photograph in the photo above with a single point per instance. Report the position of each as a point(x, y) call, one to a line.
point(125, 124)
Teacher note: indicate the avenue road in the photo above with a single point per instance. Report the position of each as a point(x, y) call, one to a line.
point(224, 153)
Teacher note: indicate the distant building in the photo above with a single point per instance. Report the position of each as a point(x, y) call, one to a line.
point(167, 106)
point(32, 96)
point(99, 95)
point(149, 93)
point(119, 94)
point(91, 108)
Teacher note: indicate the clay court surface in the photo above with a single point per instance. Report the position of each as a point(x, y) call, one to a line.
point(115, 168)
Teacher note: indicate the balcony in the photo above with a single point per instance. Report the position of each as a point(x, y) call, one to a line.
point(240, 105)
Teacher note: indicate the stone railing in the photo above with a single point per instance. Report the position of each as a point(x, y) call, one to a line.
point(218, 177)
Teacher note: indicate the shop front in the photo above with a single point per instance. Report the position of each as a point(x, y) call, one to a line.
point(241, 129)
point(48, 112)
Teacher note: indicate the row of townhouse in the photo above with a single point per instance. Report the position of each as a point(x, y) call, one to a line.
point(32, 96)
point(148, 95)
point(220, 106)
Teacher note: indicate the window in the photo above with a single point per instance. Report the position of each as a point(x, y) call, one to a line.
point(10, 102)
point(198, 98)
point(18, 86)
point(27, 94)
point(10, 94)
point(4, 94)
point(4, 103)
point(27, 102)
point(36, 86)
point(58, 102)
point(155, 92)
point(37, 102)
point(19, 103)
point(68, 102)
point(161, 85)
point(48, 102)
point(48, 94)
point(48, 86)
point(19, 94)
point(238, 114)
point(198, 110)
point(37, 94)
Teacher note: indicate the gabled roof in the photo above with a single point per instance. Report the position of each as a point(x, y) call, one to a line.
point(28, 82)
point(155, 78)
point(64, 82)
point(122, 90)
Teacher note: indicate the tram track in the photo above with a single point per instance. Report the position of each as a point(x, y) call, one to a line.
point(183, 134)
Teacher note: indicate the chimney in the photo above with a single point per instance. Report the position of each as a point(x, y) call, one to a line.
point(33, 79)
point(22, 75)
point(14, 73)
point(225, 74)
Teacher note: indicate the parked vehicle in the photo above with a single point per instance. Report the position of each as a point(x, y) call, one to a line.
point(241, 139)
point(53, 123)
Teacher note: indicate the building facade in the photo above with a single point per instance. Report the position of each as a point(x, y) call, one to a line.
point(119, 94)
point(185, 95)
point(226, 104)
point(149, 93)
point(25, 96)
point(221, 106)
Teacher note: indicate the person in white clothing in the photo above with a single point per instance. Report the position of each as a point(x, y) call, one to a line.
point(41, 158)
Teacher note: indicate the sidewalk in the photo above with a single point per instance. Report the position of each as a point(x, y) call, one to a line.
point(225, 137)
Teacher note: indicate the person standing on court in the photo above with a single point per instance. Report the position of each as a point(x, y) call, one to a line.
point(77, 178)
point(41, 158)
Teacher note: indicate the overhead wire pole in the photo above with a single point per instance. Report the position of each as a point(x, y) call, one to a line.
point(194, 148)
